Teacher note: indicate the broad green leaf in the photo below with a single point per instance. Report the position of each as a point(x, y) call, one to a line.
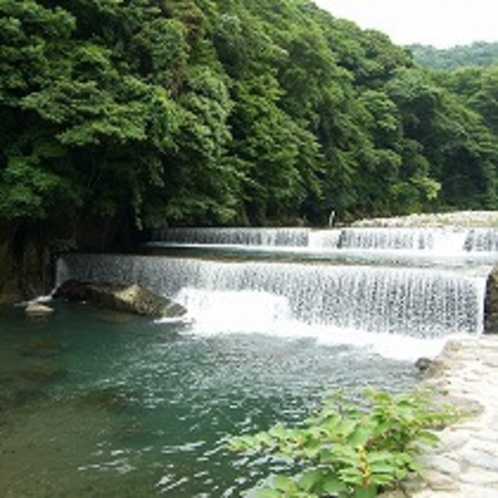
point(268, 493)
point(311, 479)
point(370, 492)
point(333, 485)
point(284, 483)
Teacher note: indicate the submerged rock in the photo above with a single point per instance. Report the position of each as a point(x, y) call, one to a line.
point(132, 298)
point(20, 398)
point(42, 349)
point(428, 366)
point(43, 372)
point(109, 399)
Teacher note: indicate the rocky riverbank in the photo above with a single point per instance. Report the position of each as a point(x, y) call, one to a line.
point(465, 463)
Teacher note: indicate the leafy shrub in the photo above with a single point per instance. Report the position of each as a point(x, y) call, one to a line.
point(347, 450)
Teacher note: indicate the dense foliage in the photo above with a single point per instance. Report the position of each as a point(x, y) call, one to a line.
point(131, 113)
point(480, 54)
point(347, 450)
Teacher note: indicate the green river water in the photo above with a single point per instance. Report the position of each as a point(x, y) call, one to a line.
point(101, 404)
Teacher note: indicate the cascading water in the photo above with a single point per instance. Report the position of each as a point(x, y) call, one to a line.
point(385, 238)
point(367, 285)
point(482, 239)
point(448, 240)
point(421, 303)
point(295, 237)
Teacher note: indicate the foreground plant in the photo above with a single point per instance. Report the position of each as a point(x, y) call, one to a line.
point(348, 450)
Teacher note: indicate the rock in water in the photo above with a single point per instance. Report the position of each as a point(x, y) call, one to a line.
point(145, 302)
point(42, 349)
point(491, 303)
point(43, 372)
point(428, 367)
point(132, 298)
point(38, 309)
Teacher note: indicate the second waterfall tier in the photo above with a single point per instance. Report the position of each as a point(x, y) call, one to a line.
point(418, 302)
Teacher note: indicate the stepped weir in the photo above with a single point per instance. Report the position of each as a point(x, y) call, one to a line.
point(417, 302)
point(363, 292)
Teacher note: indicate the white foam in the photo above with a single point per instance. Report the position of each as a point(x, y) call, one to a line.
point(389, 346)
point(232, 311)
point(39, 299)
point(331, 303)
point(227, 312)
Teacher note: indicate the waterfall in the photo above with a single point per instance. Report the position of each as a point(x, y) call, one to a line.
point(295, 237)
point(441, 241)
point(386, 238)
point(482, 239)
point(417, 302)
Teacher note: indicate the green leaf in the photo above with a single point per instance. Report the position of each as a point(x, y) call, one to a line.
point(361, 435)
point(283, 483)
point(310, 479)
point(333, 485)
point(429, 437)
point(370, 492)
point(268, 493)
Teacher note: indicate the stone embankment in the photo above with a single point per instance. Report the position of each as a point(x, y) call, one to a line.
point(465, 463)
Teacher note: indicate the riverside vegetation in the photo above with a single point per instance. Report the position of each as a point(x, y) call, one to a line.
point(118, 116)
point(350, 450)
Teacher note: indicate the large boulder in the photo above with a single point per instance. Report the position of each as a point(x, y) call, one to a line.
point(491, 303)
point(131, 298)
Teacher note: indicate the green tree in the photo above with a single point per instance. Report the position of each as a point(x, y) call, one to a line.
point(229, 112)
point(201, 185)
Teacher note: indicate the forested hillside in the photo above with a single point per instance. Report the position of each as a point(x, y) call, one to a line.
point(125, 114)
point(481, 54)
